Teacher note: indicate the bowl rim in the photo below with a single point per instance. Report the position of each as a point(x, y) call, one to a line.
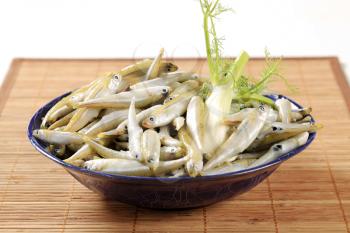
point(37, 145)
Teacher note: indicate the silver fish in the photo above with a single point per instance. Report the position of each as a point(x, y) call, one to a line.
point(122, 127)
point(82, 154)
point(118, 166)
point(168, 112)
point(108, 122)
point(183, 88)
point(117, 84)
point(167, 166)
point(281, 148)
point(284, 109)
point(281, 134)
point(166, 80)
point(255, 155)
point(87, 127)
point(299, 114)
point(195, 120)
point(171, 153)
point(245, 134)
point(65, 101)
point(194, 165)
point(84, 116)
point(153, 70)
point(61, 112)
point(140, 68)
point(143, 97)
point(278, 127)
point(238, 116)
point(135, 132)
point(150, 148)
point(63, 121)
point(57, 137)
point(106, 152)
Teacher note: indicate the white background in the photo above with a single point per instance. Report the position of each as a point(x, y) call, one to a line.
point(129, 28)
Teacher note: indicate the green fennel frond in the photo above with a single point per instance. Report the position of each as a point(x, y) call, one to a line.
point(230, 73)
point(247, 89)
point(213, 43)
point(270, 73)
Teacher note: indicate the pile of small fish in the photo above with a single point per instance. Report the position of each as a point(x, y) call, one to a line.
point(149, 119)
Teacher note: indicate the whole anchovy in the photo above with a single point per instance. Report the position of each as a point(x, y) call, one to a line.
point(195, 120)
point(108, 122)
point(122, 127)
point(168, 112)
point(118, 166)
point(245, 134)
point(284, 110)
point(281, 148)
point(153, 70)
point(106, 152)
point(164, 81)
point(182, 88)
point(135, 133)
point(150, 148)
point(194, 165)
point(143, 97)
point(57, 137)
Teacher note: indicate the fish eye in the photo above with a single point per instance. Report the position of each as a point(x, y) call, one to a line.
point(274, 128)
point(116, 76)
point(170, 98)
point(277, 147)
point(151, 118)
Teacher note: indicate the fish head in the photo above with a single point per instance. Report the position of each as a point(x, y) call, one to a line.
point(266, 112)
point(117, 83)
point(165, 91)
point(155, 91)
point(169, 98)
point(150, 121)
point(170, 67)
point(159, 90)
point(36, 133)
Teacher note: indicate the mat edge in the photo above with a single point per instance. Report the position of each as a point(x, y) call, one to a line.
point(8, 82)
point(341, 79)
point(94, 59)
point(10, 77)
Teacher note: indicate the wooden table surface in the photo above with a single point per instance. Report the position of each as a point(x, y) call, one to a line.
point(308, 193)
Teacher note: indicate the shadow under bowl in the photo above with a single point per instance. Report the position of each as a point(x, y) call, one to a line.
point(165, 193)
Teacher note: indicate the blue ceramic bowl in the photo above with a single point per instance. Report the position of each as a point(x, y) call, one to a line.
point(165, 193)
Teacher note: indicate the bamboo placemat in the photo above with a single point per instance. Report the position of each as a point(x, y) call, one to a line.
point(309, 193)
